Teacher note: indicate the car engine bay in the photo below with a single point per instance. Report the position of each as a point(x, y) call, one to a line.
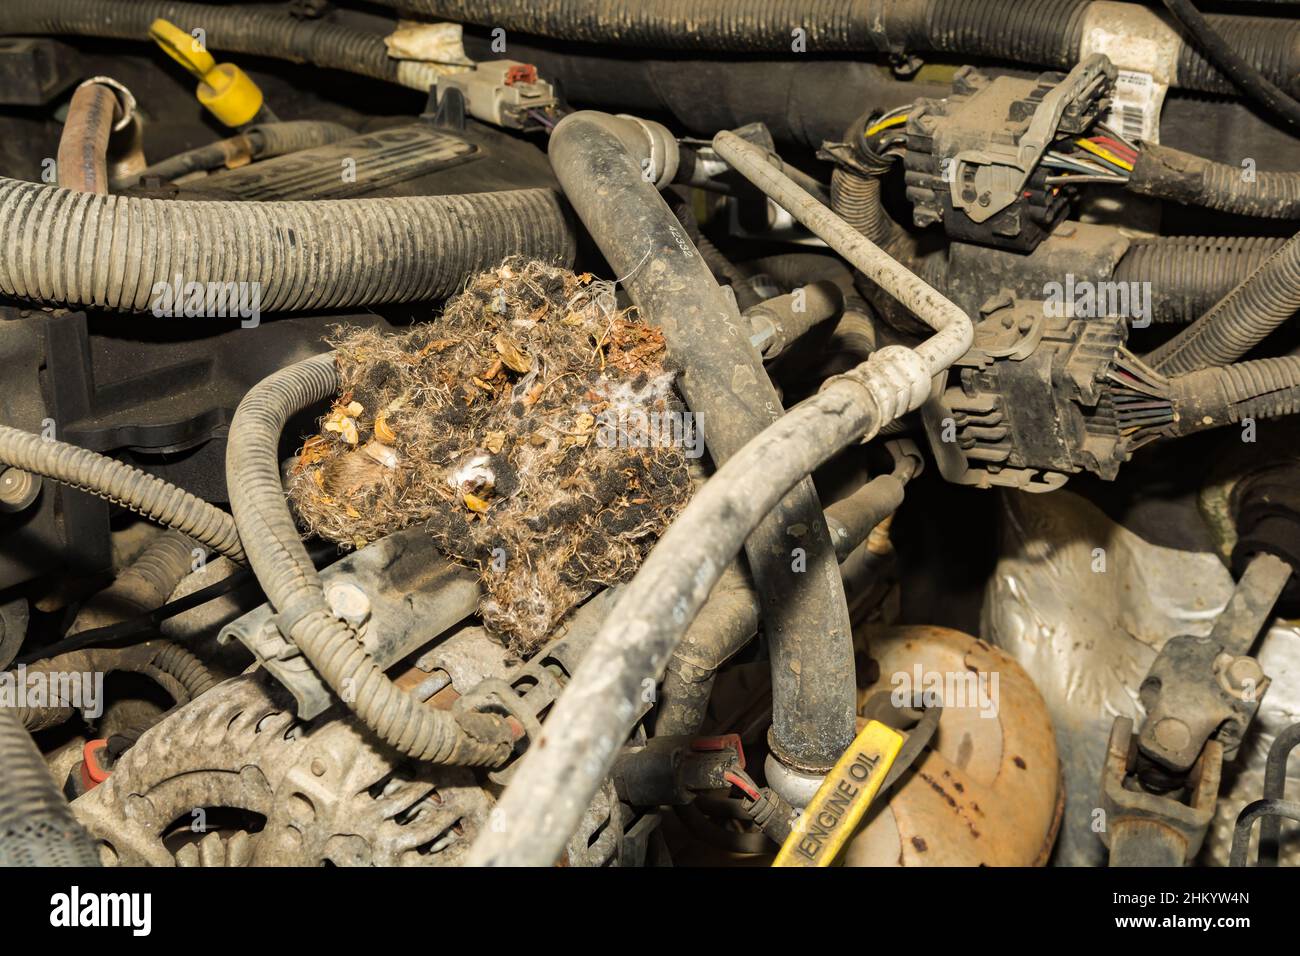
point(746, 433)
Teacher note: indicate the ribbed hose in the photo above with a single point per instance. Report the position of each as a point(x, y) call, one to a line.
point(1035, 31)
point(1030, 31)
point(123, 485)
point(1195, 181)
point(1270, 45)
point(143, 585)
point(1259, 304)
point(1045, 32)
point(67, 248)
point(856, 199)
point(173, 668)
point(1266, 388)
point(190, 672)
point(229, 30)
point(733, 26)
point(1187, 275)
point(36, 826)
point(289, 579)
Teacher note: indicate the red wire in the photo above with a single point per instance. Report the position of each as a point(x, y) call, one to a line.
point(1125, 152)
point(736, 780)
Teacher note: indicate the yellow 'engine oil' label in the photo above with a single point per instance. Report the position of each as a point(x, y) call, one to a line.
point(841, 801)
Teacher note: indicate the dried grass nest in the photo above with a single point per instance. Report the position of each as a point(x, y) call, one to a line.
point(497, 426)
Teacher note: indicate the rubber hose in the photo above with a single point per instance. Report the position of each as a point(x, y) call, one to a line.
point(1043, 32)
point(292, 585)
point(854, 333)
point(1035, 31)
point(1211, 397)
point(115, 252)
point(1220, 51)
point(1194, 181)
point(124, 486)
point(1187, 275)
point(723, 381)
point(233, 29)
point(36, 826)
point(142, 586)
point(82, 162)
point(259, 142)
point(1259, 304)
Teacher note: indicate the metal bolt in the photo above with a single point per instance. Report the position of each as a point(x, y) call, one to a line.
point(18, 489)
point(348, 601)
point(1244, 672)
point(1172, 734)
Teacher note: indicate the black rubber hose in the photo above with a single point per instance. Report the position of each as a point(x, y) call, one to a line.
point(259, 142)
point(228, 29)
point(1219, 49)
point(723, 380)
point(730, 618)
point(854, 333)
point(124, 486)
point(36, 826)
point(1042, 32)
point(1187, 275)
point(292, 585)
point(1194, 181)
point(782, 320)
point(1260, 303)
point(1211, 397)
point(113, 252)
point(1034, 31)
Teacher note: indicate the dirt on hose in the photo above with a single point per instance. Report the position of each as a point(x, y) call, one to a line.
point(533, 428)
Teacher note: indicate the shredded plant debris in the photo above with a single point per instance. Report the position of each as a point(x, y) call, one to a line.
point(534, 428)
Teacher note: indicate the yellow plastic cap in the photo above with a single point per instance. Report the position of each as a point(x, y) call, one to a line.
point(224, 89)
point(230, 94)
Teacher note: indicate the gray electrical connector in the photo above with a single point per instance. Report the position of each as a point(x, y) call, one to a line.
point(500, 92)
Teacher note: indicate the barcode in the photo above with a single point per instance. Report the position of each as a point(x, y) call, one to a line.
point(1132, 121)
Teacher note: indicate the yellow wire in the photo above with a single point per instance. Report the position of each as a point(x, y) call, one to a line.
point(1104, 154)
point(885, 124)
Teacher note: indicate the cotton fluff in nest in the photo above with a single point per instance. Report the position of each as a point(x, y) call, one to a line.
point(533, 429)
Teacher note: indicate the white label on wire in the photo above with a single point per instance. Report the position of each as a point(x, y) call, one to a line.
point(1135, 106)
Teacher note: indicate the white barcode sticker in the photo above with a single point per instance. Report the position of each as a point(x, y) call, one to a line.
point(1135, 106)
